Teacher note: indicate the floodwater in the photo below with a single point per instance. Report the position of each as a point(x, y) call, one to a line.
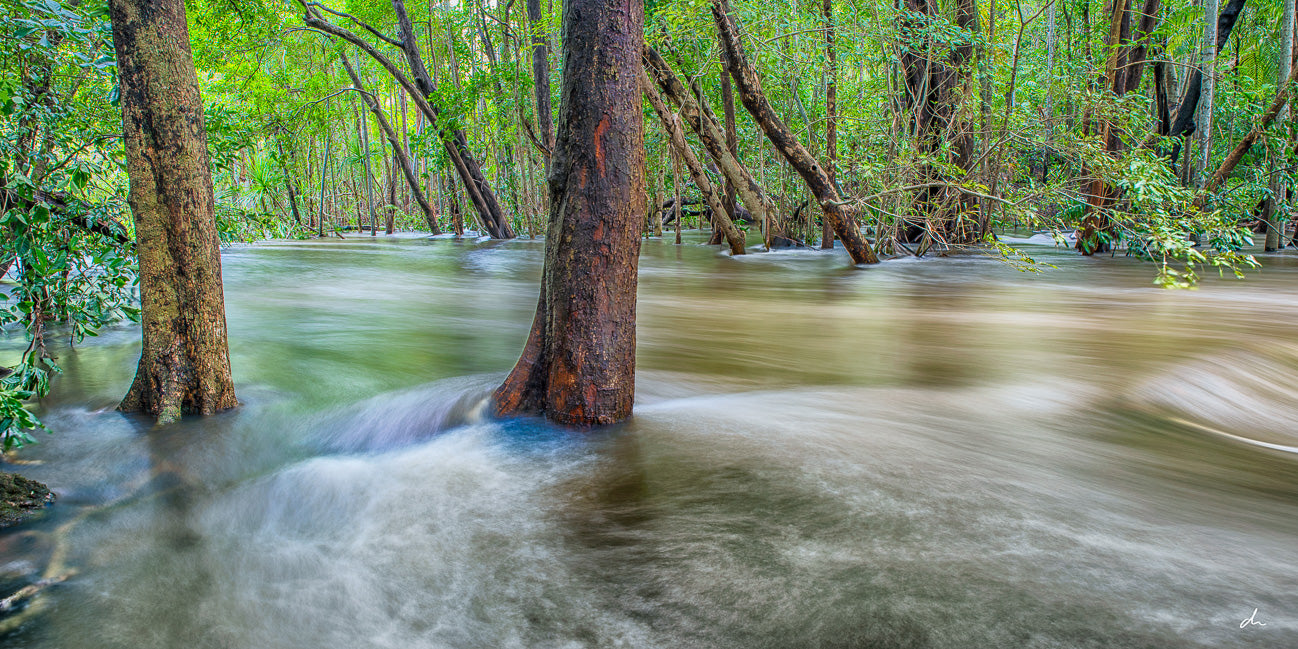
point(929, 453)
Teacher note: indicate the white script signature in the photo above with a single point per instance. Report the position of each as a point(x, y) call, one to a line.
point(1251, 621)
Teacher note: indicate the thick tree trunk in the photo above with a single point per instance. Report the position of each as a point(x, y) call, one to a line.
point(835, 210)
point(185, 361)
point(933, 87)
point(398, 148)
point(578, 366)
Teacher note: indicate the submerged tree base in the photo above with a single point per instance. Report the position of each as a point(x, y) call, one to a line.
point(21, 498)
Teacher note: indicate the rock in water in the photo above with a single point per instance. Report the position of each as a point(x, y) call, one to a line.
point(21, 498)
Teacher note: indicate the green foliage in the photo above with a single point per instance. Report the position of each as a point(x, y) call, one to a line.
point(29, 380)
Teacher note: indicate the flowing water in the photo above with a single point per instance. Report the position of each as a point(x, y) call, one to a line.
point(934, 453)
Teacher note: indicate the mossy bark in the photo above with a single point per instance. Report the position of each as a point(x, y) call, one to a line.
point(578, 365)
point(184, 364)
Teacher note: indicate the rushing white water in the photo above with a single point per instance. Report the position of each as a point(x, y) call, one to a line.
point(929, 454)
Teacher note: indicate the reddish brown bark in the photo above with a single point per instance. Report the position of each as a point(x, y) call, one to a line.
point(578, 365)
point(185, 362)
point(749, 86)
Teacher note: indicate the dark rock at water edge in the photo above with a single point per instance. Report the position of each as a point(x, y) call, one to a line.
point(21, 498)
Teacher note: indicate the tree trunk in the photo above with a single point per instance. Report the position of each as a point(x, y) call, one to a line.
point(541, 76)
point(453, 140)
point(932, 91)
point(363, 125)
point(1188, 110)
point(678, 209)
point(399, 150)
point(831, 117)
point(1274, 225)
point(185, 360)
point(836, 211)
point(578, 366)
point(704, 124)
point(1122, 73)
point(1208, 68)
point(324, 167)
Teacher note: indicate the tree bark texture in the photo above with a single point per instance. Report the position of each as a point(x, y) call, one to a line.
point(184, 364)
point(578, 365)
point(749, 86)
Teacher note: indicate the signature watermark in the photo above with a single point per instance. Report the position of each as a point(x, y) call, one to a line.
point(1251, 620)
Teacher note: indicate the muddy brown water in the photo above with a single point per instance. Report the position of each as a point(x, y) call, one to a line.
point(928, 453)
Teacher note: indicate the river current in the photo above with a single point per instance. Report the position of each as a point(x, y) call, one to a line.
point(936, 453)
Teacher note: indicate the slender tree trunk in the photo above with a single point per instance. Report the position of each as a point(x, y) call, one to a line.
point(704, 124)
point(1048, 154)
point(184, 364)
point(1208, 66)
point(1275, 226)
point(324, 168)
point(402, 157)
point(578, 366)
point(831, 117)
point(541, 75)
point(671, 123)
point(835, 210)
point(363, 126)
